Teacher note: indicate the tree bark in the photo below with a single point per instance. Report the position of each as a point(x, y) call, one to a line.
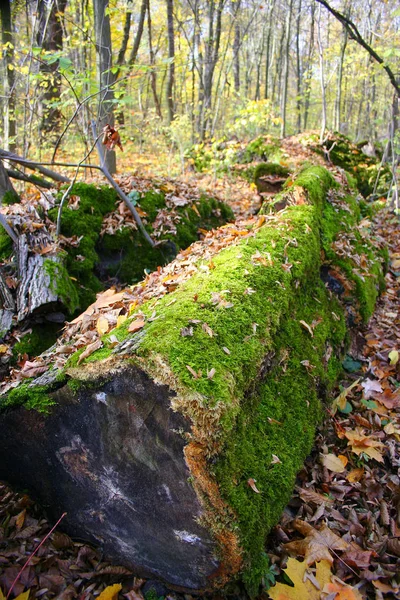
point(286, 74)
point(9, 121)
point(105, 77)
point(50, 38)
point(171, 56)
point(153, 76)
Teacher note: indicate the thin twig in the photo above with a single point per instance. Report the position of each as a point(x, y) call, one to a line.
point(33, 554)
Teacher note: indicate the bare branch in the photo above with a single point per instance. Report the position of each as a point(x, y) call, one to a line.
point(355, 35)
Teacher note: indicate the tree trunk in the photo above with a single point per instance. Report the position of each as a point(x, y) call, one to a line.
point(105, 113)
point(308, 68)
point(153, 76)
point(50, 38)
point(286, 74)
point(9, 121)
point(171, 56)
point(236, 47)
point(322, 76)
point(6, 186)
point(298, 69)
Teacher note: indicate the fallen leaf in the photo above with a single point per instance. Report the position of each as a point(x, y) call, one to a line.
point(211, 373)
point(102, 325)
point(369, 386)
point(304, 588)
point(193, 372)
point(136, 325)
point(317, 544)
point(393, 357)
point(341, 400)
point(307, 326)
point(252, 483)
point(333, 463)
point(341, 591)
point(226, 350)
point(89, 350)
point(355, 475)
point(110, 592)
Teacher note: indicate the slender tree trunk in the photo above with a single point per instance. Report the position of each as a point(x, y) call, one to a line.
point(322, 75)
point(171, 56)
point(105, 77)
point(286, 73)
point(298, 69)
point(268, 49)
point(338, 101)
point(139, 33)
point(307, 70)
point(9, 121)
point(50, 38)
point(236, 46)
point(153, 76)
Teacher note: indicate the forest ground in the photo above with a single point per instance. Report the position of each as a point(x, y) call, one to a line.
point(344, 511)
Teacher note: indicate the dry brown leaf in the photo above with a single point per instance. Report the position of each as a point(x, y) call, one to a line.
point(307, 326)
point(252, 483)
point(333, 463)
point(136, 325)
point(89, 350)
point(317, 544)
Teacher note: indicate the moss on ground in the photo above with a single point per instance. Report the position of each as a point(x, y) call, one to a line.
point(40, 339)
point(363, 169)
point(33, 398)
point(127, 256)
point(85, 222)
point(62, 285)
point(6, 245)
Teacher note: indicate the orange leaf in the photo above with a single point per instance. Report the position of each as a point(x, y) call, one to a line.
point(136, 325)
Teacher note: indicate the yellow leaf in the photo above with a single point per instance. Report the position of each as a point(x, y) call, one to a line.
point(111, 592)
point(304, 588)
point(341, 400)
point(20, 519)
point(121, 319)
point(3, 348)
point(333, 463)
point(2, 596)
point(23, 596)
point(394, 357)
point(102, 325)
point(355, 475)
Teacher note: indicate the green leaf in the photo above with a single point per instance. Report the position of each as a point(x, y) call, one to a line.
point(369, 403)
point(351, 365)
point(347, 409)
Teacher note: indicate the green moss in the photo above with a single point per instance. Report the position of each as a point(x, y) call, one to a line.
point(61, 284)
point(42, 337)
point(127, 256)
point(363, 170)
point(85, 222)
point(33, 398)
point(6, 246)
point(262, 148)
point(270, 169)
point(10, 197)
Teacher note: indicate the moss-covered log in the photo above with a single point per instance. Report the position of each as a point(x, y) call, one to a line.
point(243, 353)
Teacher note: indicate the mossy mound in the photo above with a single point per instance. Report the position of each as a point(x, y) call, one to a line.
point(269, 177)
point(125, 254)
point(364, 169)
point(277, 337)
point(85, 222)
point(266, 341)
point(262, 148)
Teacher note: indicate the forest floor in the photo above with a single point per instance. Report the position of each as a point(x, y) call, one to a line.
point(344, 511)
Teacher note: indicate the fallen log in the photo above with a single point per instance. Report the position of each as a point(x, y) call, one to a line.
point(174, 440)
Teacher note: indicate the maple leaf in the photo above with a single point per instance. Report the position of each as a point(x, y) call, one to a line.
point(317, 544)
point(306, 585)
point(362, 443)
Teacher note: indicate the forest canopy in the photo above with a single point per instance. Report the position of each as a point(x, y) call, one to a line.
point(175, 72)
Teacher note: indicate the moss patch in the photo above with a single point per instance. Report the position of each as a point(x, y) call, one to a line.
point(85, 221)
point(62, 285)
point(33, 398)
point(6, 245)
point(40, 339)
